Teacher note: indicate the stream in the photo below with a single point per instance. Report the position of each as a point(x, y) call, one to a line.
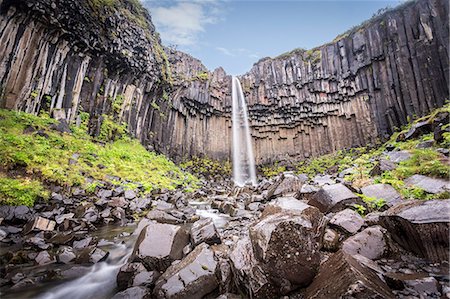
point(99, 280)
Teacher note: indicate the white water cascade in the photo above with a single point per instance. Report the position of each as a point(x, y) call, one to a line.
point(244, 170)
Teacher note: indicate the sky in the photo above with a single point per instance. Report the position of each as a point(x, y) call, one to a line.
point(234, 34)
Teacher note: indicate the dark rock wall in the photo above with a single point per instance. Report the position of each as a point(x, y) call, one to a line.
point(350, 92)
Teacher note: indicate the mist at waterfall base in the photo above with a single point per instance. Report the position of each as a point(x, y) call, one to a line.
point(244, 170)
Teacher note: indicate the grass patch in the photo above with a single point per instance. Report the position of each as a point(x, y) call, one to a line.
point(18, 192)
point(67, 159)
point(272, 170)
point(207, 167)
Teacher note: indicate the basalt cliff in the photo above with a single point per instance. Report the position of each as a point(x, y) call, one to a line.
point(68, 57)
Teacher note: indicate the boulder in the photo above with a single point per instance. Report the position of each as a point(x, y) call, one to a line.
point(44, 258)
point(120, 202)
point(421, 227)
point(145, 278)
point(249, 275)
point(430, 185)
point(158, 245)
point(39, 223)
point(133, 293)
point(348, 220)
point(382, 191)
point(306, 192)
point(333, 198)
point(382, 166)
point(347, 276)
point(129, 194)
point(66, 255)
point(284, 204)
point(164, 216)
point(370, 243)
point(192, 277)
point(287, 244)
point(287, 183)
point(322, 180)
point(398, 156)
point(416, 130)
point(204, 230)
point(127, 273)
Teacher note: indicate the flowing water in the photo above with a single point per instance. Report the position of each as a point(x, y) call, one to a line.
point(244, 170)
point(99, 281)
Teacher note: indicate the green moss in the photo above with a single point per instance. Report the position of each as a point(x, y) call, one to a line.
point(203, 76)
point(423, 161)
point(373, 203)
point(117, 103)
point(47, 157)
point(111, 130)
point(207, 167)
point(21, 191)
point(272, 170)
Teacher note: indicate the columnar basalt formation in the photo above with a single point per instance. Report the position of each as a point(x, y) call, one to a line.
point(108, 61)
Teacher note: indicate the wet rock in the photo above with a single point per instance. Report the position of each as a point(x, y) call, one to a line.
point(382, 166)
point(140, 203)
point(164, 216)
point(118, 202)
point(421, 227)
point(369, 243)
point(430, 185)
point(321, 180)
point(284, 204)
point(346, 276)
point(88, 212)
point(425, 286)
point(129, 194)
point(98, 255)
point(104, 193)
point(306, 192)
point(38, 242)
point(62, 238)
point(398, 156)
point(41, 224)
point(133, 293)
point(348, 220)
point(18, 214)
point(382, 191)
point(192, 277)
point(287, 183)
point(333, 198)
point(330, 240)
point(119, 214)
point(248, 273)
point(44, 258)
point(127, 273)
point(66, 255)
point(145, 278)
point(204, 230)
point(82, 243)
point(75, 272)
point(158, 245)
point(59, 219)
point(287, 245)
point(162, 205)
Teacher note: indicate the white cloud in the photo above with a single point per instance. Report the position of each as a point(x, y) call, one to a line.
point(181, 22)
point(238, 52)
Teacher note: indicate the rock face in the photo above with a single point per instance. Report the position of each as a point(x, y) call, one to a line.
point(158, 245)
point(287, 244)
point(421, 227)
point(346, 276)
point(193, 277)
point(69, 55)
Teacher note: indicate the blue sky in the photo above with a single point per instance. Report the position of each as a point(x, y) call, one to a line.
point(235, 34)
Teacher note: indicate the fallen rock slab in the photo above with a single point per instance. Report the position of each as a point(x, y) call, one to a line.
point(192, 277)
point(430, 185)
point(287, 244)
point(346, 276)
point(39, 223)
point(333, 198)
point(382, 191)
point(133, 293)
point(421, 227)
point(249, 275)
point(287, 183)
point(369, 243)
point(158, 245)
point(348, 220)
point(204, 230)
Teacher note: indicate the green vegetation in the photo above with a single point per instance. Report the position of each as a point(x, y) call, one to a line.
point(44, 154)
point(203, 76)
point(374, 204)
point(118, 102)
point(21, 191)
point(272, 170)
point(314, 55)
point(290, 53)
point(207, 167)
point(132, 9)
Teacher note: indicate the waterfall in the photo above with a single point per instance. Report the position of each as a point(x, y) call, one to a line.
point(244, 170)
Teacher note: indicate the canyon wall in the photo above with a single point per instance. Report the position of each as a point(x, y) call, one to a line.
point(108, 62)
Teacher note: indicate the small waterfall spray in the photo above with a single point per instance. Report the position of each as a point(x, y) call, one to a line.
point(244, 170)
